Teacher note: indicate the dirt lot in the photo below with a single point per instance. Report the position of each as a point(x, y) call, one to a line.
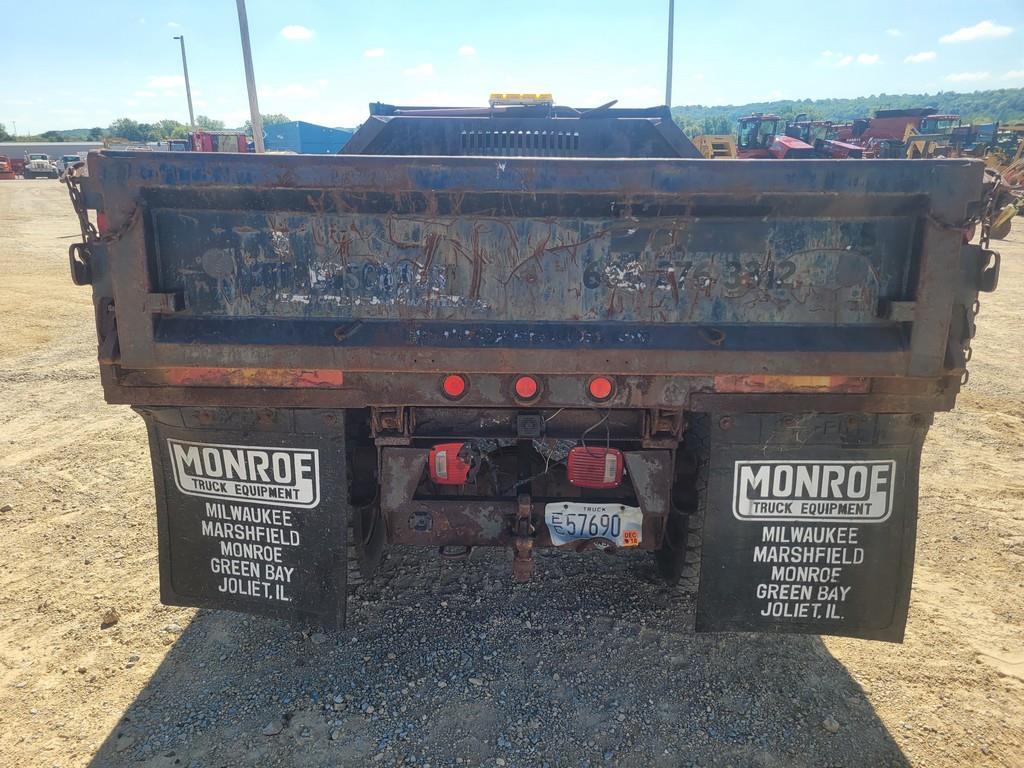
point(592, 664)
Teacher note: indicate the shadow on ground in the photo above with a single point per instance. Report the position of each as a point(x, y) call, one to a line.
point(593, 663)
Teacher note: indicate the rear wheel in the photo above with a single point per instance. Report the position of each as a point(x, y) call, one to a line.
point(678, 558)
point(365, 544)
point(366, 534)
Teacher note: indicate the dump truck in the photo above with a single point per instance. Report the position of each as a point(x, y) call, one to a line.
point(536, 328)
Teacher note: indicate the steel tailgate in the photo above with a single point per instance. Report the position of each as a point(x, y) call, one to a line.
point(367, 263)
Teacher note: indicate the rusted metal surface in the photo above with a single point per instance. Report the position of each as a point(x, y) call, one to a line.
point(251, 377)
point(362, 264)
point(756, 383)
point(514, 522)
point(650, 472)
point(523, 539)
point(155, 387)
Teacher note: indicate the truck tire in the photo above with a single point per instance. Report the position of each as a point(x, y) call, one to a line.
point(365, 544)
point(678, 558)
point(366, 533)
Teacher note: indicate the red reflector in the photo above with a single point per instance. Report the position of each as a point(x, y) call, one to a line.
point(101, 222)
point(453, 386)
point(526, 387)
point(591, 467)
point(600, 388)
point(446, 468)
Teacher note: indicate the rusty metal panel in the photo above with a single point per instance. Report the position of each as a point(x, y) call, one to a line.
point(364, 263)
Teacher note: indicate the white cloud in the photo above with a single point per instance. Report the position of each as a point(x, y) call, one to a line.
point(1014, 74)
point(983, 30)
point(698, 77)
point(968, 77)
point(166, 82)
point(420, 70)
point(373, 53)
point(920, 58)
point(467, 50)
point(296, 32)
point(868, 58)
point(827, 54)
point(173, 24)
point(845, 61)
point(891, 32)
point(144, 95)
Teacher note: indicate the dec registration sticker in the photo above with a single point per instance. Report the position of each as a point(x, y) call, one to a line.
point(569, 521)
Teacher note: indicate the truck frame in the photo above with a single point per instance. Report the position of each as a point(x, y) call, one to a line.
point(534, 327)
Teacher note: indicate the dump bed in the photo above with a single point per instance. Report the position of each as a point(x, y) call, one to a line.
point(334, 353)
point(419, 264)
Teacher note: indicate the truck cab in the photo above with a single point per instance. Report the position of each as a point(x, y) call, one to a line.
point(39, 164)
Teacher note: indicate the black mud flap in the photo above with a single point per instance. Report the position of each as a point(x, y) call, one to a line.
point(810, 523)
point(252, 510)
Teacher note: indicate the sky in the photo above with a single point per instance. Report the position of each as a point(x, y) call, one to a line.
point(325, 61)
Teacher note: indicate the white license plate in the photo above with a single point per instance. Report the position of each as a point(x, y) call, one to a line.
point(570, 521)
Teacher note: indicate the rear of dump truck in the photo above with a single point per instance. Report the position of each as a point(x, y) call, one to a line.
point(534, 330)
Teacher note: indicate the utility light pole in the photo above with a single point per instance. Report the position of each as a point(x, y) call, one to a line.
point(668, 71)
point(250, 78)
point(188, 87)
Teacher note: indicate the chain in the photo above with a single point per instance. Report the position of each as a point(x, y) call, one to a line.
point(985, 221)
point(79, 254)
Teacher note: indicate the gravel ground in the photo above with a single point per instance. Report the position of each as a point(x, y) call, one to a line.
point(593, 663)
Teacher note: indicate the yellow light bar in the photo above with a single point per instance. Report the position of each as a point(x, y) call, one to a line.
point(520, 99)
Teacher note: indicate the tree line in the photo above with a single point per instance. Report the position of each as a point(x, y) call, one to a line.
point(1004, 105)
point(126, 129)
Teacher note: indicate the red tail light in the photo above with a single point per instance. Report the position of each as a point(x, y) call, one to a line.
point(590, 467)
point(526, 387)
point(101, 222)
point(454, 386)
point(446, 468)
point(600, 388)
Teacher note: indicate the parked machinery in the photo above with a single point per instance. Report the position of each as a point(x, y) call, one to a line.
point(716, 146)
point(820, 134)
point(763, 136)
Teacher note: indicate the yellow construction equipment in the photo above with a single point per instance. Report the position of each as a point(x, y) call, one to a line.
point(716, 145)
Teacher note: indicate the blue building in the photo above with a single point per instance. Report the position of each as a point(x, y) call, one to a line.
point(304, 138)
